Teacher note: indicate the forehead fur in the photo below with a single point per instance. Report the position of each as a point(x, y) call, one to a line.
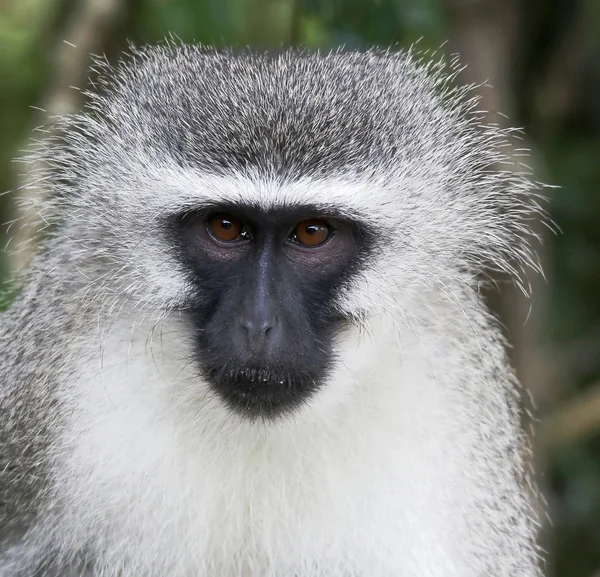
point(291, 114)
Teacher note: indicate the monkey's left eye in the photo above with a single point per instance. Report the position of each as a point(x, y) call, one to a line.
point(312, 233)
point(226, 228)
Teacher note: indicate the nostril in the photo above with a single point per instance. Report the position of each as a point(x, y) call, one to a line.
point(257, 327)
point(266, 326)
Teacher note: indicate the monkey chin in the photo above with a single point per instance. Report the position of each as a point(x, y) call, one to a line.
point(263, 393)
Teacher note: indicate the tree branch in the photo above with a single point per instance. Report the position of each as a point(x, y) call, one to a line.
point(575, 421)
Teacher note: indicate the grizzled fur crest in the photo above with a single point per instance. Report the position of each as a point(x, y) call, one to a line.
point(115, 459)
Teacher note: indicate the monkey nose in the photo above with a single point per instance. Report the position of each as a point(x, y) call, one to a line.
point(258, 329)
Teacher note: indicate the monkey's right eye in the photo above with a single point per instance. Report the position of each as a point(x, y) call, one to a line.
point(226, 228)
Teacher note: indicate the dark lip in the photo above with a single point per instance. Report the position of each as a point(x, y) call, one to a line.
point(259, 393)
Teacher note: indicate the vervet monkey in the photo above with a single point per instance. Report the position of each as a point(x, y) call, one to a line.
point(253, 343)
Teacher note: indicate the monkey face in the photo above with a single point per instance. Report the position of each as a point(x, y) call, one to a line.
point(246, 148)
point(263, 308)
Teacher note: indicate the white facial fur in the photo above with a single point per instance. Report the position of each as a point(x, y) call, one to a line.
point(384, 473)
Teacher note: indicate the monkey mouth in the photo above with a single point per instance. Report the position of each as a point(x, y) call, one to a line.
point(263, 392)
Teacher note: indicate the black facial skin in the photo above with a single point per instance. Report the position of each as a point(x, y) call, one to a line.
point(263, 311)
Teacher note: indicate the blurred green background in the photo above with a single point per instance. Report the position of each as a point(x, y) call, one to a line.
point(543, 59)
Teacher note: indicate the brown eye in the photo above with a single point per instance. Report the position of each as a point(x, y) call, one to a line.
point(225, 228)
point(312, 232)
